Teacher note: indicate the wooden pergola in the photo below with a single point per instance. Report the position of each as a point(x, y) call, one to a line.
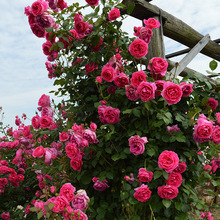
point(177, 30)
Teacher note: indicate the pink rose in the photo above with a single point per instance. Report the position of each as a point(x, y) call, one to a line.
point(39, 7)
point(76, 163)
point(67, 190)
point(167, 192)
point(180, 168)
point(3, 182)
point(121, 80)
point(79, 215)
point(63, 136)
point(61, 4)
point(37, 30)
point(168, 160)
point(81, 28)
point(4, 169)
point(90, 67)
point(111, 89)
point(26, 131)
point(151, 23)
point(144, 175)
point(171, 129)
point(159, 87)
point(100, 186)
point(142, 193)
point(138, 48)
point(218, 117)
point(38, 152)
point(108, 73)
point(207, 168)
point(186, 88)
point(44, 101)
point(90, 135)
point(172, 93)
point(108, 114)
point(99, 79)
point(47, 111)
point(60, 203)
point(45, 21)
point(113, 14)
point(212, 103)
point(80, 201)
point(137, 78)
point(35, 121)
point(146, 91)
point(131, 93)
point(158, 65)
point(216, 135)
point(175, 179)
point(72, 150)
point(145, 34)
point(5, 216)
point(46, 50)
point(136, 144)
point(92, 2)
point(93, 126)
point(46, 122)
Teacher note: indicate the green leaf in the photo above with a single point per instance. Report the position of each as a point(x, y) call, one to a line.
point(115, 157)
point(157, 174)
point(131, 8)
point(136, 112)
point(40, 215)
point(136, 217)
point(34, 209)
point(178, 206)
point(150, 151)
point(128, 111)
point(133, 201)
point(165, 175)
point(166, 203)
point(213, 65)
point(61, 44)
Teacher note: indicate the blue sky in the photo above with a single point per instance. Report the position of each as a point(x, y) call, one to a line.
point(22, 62)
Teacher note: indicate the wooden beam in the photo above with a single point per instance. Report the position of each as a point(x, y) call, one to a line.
point(173, 27)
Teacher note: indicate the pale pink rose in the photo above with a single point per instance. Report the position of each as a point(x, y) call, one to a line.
point(172, 93)
point(175, 179)
point(63, 136)
point(108, 73)
point(136, 144)
point(138, 48)
point(47, 111)
point(50, 154)
point(80, 201)
point(44, 101)
point(142, 193)
point(35, 121)
point(146, 91)
point(113, 14)
point(158, 65)
point(186, 88)
point(131, 93)
point(144, 175)
point(67, 190)
point(167, 192)
point(60, 203)
point(100, 186)
point(38, 152)
point(151, 23)
point(180, 168)
point(89, 135)
point(137, 78)
point(38, 7)
point(121, 80)
point(76, 138)
point(168, 160)
point(216, 135)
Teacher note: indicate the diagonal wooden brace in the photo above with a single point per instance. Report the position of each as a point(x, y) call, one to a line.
point(190, 56)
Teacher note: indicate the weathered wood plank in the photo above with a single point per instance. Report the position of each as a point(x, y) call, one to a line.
point(173, 27)
point(190, 56)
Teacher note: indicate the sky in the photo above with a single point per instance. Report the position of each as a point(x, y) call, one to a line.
point(22, 62)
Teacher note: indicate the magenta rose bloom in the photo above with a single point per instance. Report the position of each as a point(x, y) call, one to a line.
point(159, 87)
point(168, 160)
point(72, 150)
point(60, 203)
point(167, 192)
point(45, 21)
point(131, 93)
point(151, 23)
point(146, 91)
point(108, 73)
point(175, 179)
point(136, 144)
point(80, 201)
point(138, 48)
point(186, 88)
point(172, 93)
point(180, 168)
point(46, 122)
point(145, 34)
point(63, 136)
point(37, 30)
point(212, 103)
point(67, 190)
point(137, 78)
point(39, 7)
point(142, 193)
point(92, 2)
point(144, 175)
point(90, 67)
point(44, 101)
point(3, 182)
point(121, 80)
point(46, 48)
point(108, 114)
point(76, 163)
point(81, 28)
point(216, 135)
point(113, 14)
point(100, 186)
point(38, 152)
point(61, 4)
point(90, 135)
point(158, 65)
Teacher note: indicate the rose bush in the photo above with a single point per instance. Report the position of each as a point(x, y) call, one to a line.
point(118, 127)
